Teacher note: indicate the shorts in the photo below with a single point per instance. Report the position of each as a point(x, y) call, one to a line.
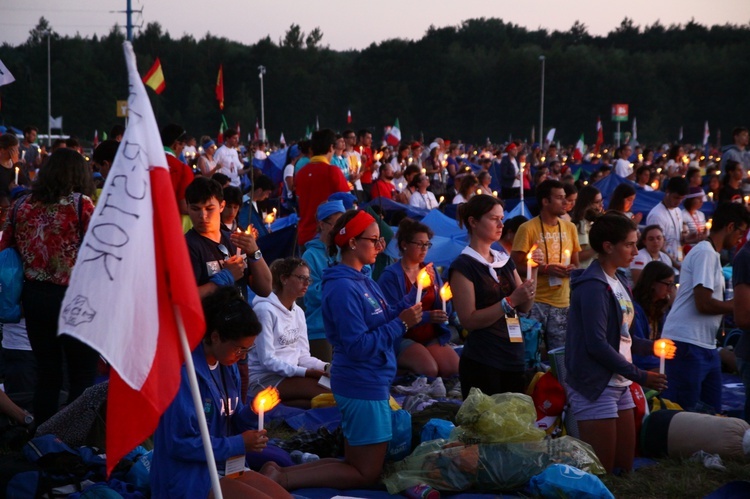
point(263, 381)
point(365, 422)
point(612, 400)
point(406, 343)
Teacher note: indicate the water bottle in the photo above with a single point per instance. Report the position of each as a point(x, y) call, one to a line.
point(728, 291)
point(299, 457)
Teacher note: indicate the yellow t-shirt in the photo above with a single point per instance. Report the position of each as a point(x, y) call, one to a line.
point(553, 241)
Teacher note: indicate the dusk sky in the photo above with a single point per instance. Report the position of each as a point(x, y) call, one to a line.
point(352, 24)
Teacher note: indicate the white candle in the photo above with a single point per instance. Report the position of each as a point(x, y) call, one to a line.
point(261, 414)
point(16, 175)
point(661, 364)
point(528, 268)
point(423, 279)
point(566, 257)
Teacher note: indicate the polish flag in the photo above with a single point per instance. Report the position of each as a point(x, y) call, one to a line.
point(349, 116)
point(599, 134)
point(132, 276)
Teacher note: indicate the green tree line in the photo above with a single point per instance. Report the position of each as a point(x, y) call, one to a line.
point(472, 81)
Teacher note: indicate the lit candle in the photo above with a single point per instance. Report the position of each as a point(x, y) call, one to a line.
point(711, 196)
point(442, 198)
point(265, 400)
point(400, 186)
point(479, 191)
point(494, 193)
point(269, 220)
point(747, 199)
point(530, 263)
point(239, 251)
point(664, 349)
point(423, 280)
point(658, 170)
point(17, 175)
point(655, 185)
point(424, 171)
point(709, 223)
point(445, 295)
point(566, 257)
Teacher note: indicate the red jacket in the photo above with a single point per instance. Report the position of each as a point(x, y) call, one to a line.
point(314, 183)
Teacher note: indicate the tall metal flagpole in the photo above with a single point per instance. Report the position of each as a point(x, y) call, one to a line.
point(541, 107)
point(262, 71)
point(49, 92)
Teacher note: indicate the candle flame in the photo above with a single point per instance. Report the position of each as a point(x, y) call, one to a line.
point(709, 223)
point(479, 191)
point(266, 399)
point(270, 218)
point(445, 292)
point(528, 256)
point(655, 184)
point(664, 348)
point(442, 198)
point(494, 193)
point(423, 278)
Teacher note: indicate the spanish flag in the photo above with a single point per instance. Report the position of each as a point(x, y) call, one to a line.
point(220, 86)
point(155, 77)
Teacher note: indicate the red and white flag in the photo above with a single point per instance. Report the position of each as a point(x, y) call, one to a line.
point(349, 116)
point(256, 134)
point(132, 276)
point(599, 134)
point(96, 138)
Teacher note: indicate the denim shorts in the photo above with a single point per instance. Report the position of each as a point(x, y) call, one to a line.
point(612, 400)
point(406, 343)
point(365, 422)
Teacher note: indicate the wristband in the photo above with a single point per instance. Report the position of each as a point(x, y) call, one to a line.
point(507, 307)
point(223, 278)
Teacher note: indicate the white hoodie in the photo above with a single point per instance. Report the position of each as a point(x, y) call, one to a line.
point(282, 346)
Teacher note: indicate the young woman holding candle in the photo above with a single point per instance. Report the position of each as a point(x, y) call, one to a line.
point(652, 298)
point(424, 348)
point(487, 295)
point(651, 244)
point(179, 467)
point(364, 330)
point(281, 356)
point(598, 345)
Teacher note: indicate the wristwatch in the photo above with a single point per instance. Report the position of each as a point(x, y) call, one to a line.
point(257, 255)
point(28, 419)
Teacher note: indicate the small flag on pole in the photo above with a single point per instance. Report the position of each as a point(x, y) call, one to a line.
point(155, 77)
point(256, 134)
point(706, 133)
point(394, 134)
point(599, 134)
point(317, 123)
point(220, 87)
point(96, 138)
point(5, 75)
point(349, 116)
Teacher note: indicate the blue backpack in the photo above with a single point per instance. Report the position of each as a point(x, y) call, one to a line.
point(11, 277)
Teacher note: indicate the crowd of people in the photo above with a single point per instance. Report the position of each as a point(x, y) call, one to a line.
point(343, 318)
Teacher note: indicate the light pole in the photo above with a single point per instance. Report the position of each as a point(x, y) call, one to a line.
point(49, 92)
point(262, 71)
point(541, 108)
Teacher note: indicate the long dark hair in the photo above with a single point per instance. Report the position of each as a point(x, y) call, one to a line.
point(228, 314)
point(65, 172)
point(585, 199)
point(642, 293)
point(617, 199)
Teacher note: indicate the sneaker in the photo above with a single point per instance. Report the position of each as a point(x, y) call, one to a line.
point(437, 388)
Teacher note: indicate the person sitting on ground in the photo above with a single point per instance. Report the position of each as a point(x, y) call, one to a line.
point(317, 258)
point(421, 197)
point(466, 189)
point(424, 349)
point(650, 244)
point(179, 467)
point(652, 298)
point(281, 356)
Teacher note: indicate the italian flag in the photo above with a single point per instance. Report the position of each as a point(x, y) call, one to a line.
point(580, 149)
point(132, 285)
point(394, 134)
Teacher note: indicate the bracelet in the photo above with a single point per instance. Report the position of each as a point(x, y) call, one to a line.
point(510, 303)
point(507, 307)
point(406, 326)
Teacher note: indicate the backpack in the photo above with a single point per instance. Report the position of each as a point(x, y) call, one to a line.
point(11, 276)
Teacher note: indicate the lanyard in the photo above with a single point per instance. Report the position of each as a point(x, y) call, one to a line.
point(544, 238)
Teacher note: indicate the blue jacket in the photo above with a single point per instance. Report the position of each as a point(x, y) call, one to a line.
point(393, 283)
point(592, 344)
point(179, 467)
point(363, 330)
point(507, 172)
point(316, 256)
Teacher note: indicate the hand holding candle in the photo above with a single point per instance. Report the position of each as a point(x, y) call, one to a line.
point(664, 349)
point(265, 400)
point(530, 263)
point(445, 295)
point(423, 280)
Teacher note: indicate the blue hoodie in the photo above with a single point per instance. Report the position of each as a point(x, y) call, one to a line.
point(393, 283)
point(179, 462)
point(363, 330)
point(316, 256)
point(592, 344)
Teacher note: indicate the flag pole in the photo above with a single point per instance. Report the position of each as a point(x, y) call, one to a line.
point(195, 391)
point(522, 205)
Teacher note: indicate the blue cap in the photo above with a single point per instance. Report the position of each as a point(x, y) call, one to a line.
point(328, 208)
point(294, 151)
point(345, 197)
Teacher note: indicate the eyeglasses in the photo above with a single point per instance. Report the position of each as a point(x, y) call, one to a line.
point(241, 352)
point(419, 245)
point(376, 241)
point(303, 278)
point(668, 284)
